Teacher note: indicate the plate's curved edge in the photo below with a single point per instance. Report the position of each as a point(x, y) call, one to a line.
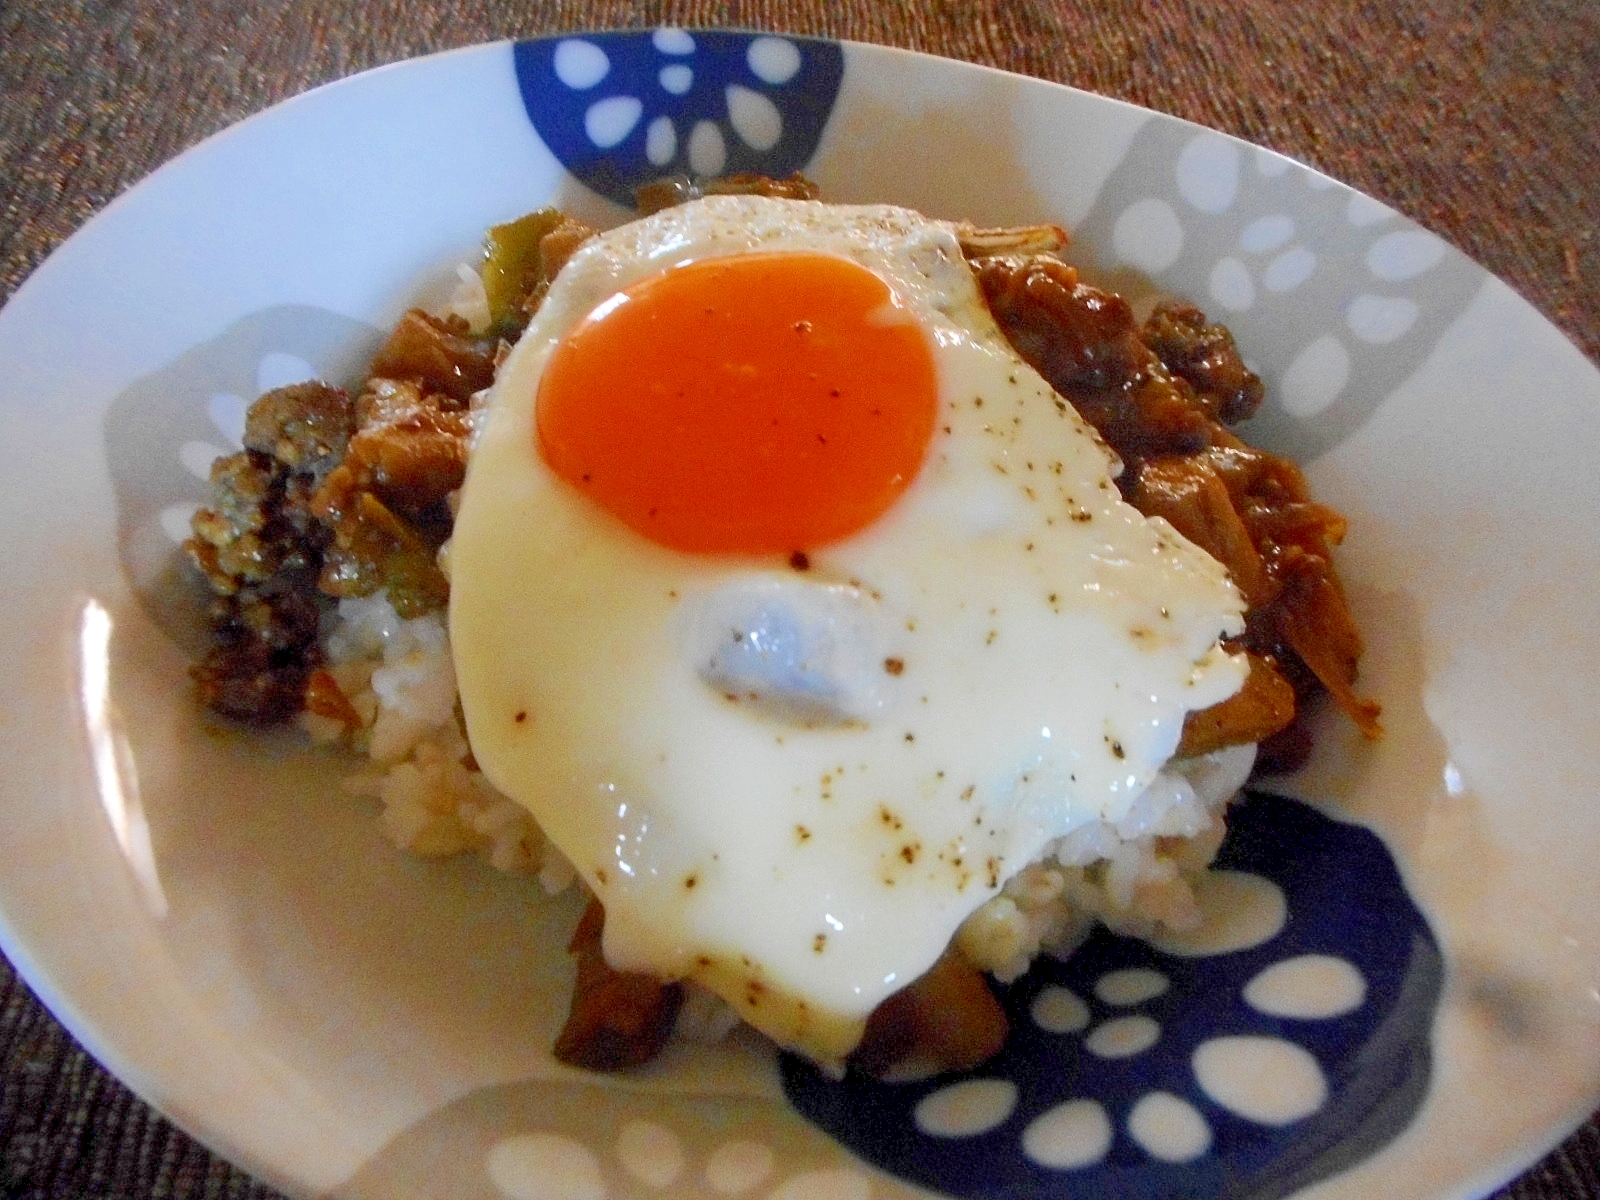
point(136, 1076)
point(207, 144)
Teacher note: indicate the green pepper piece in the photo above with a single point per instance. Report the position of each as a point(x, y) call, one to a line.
point(513, 266)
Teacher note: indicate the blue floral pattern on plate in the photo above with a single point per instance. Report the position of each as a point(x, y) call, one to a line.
point(1136, 1072)
point(619, 109)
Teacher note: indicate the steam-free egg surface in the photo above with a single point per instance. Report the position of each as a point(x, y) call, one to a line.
point(797, 680)
point(758, 403)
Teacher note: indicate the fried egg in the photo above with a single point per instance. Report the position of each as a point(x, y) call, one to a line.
point(799, 611)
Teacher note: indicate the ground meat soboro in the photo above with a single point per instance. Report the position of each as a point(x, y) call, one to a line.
point(336, 496)
point(1161, 396)
point(332, 496)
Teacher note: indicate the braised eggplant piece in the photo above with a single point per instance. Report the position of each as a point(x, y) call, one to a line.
point(618, 1019)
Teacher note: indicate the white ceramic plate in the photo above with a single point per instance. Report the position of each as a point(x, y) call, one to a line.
point(234, 938)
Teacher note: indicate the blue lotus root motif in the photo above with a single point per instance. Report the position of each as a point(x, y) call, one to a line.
point(620, 109)
point(1244, 1070)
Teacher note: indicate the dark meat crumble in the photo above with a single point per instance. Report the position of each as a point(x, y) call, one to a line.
point(337, 495)
point(1162, 395)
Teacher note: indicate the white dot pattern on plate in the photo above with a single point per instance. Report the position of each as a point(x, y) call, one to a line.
point(1378, 320)
point(1289, 270)
point(1123, 1037)
point(676, 78)
point(1214, 1061)
point(660, 141)
point(545, 1166)
point(672, 41)
point(650, 1153)
point(1315, 377)
point(580, 64)
point(647, 1157)
point(736, 1167)
point(834, 1184)
point(1208, 173)
point(1404, 254)
point(707, 152)
point(1238, 910)
point(1262, 1079)
point(754, 118)
point(773, 60)
point(1231, 286)
point(174, 521)
point(1267, 233)
point(1148, 235)
point(1309, 987)
point(611, 120)
point(1074, 1134)
point(1058, 1010)
point(197, 458)
point(966, 1109)
point(277, 369)
point(227, 413)
point(1169, 1128)
point(1237, 229)
point(1132, 985)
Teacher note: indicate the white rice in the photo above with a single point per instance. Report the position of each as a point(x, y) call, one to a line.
point(398, 677)
point(1136, 875)
point(470, 299)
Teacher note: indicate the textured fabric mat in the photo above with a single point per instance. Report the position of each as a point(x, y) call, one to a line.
point(1478, 120)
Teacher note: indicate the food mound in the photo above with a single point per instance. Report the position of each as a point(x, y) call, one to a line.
point(854, 604)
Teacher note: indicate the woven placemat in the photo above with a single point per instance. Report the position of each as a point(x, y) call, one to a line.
point(1476, 119)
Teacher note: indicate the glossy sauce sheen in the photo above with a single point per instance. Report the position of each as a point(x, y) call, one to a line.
point(1018, 650)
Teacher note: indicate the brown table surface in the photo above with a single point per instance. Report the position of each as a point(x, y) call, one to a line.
point(1479, 120)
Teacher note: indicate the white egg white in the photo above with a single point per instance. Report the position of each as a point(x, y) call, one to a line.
point(1011, 651)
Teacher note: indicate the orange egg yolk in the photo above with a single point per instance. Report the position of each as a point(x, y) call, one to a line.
point(763, 403)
